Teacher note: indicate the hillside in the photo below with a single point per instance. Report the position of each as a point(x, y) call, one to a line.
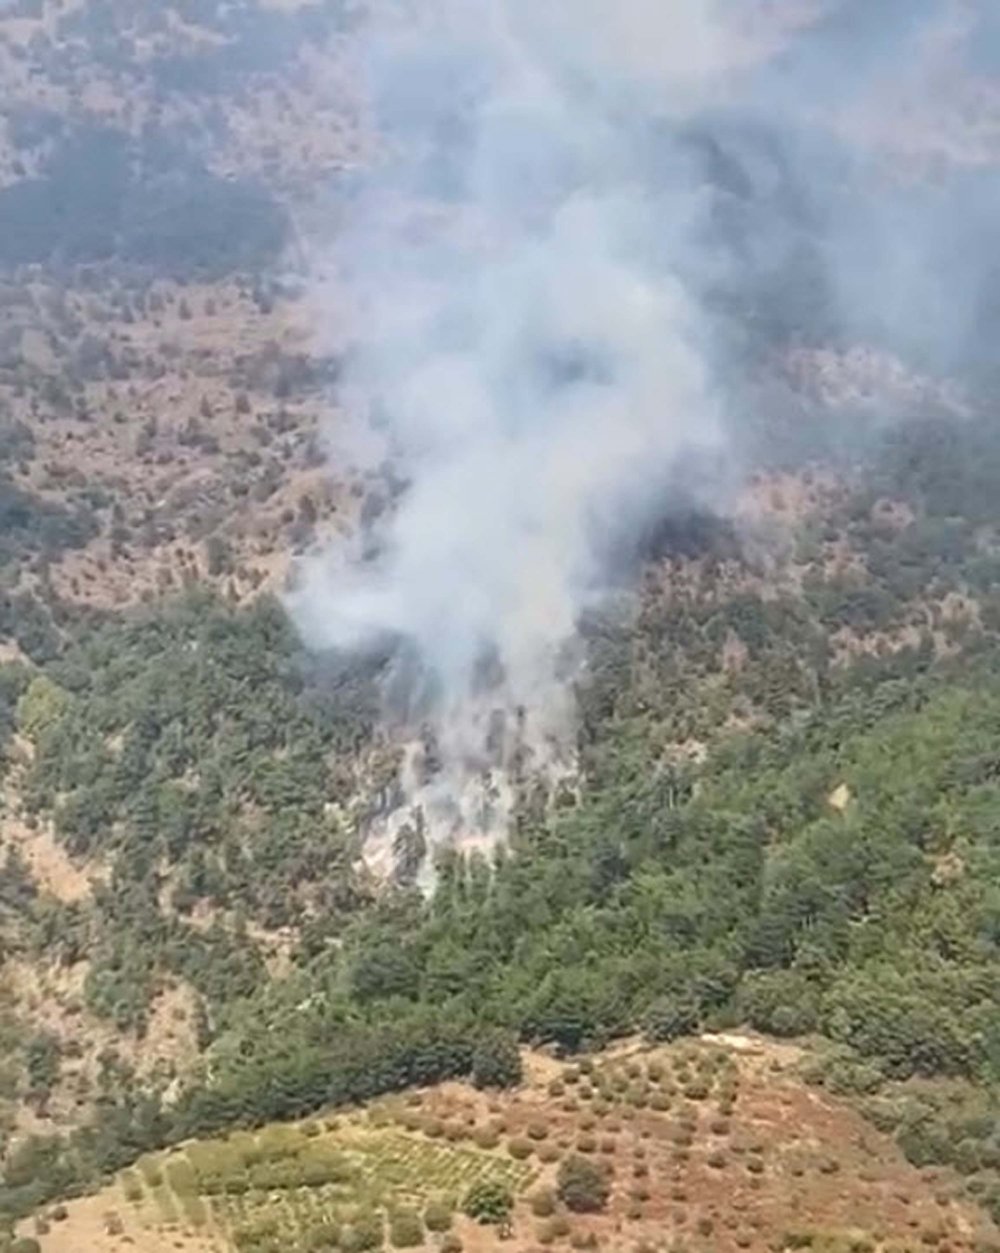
point(162, 387)
point(747, 942)
point(706, 1144)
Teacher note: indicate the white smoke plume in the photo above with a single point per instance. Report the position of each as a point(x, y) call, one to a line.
point(527, 264)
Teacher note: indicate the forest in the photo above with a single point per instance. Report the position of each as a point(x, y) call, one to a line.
point(826, 869)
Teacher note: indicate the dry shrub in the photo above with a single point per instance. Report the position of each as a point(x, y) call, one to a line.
point(543, 1203)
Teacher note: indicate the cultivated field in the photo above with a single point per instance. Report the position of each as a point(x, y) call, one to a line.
point(708, 1146)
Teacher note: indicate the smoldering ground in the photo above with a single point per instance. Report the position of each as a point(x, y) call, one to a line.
point(591, 228)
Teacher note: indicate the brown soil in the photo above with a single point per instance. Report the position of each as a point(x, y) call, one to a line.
point(784, 1159)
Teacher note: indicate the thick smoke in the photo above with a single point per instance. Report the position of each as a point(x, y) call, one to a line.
point(586, 225)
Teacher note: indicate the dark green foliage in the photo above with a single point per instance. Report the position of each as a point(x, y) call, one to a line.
point(489, 1201)
point(43, 1054)
point(582, 1185)
point(496, 1062)
point(780, 1002)
point(671, 1017)
point(212, 694)
point(276, 1082)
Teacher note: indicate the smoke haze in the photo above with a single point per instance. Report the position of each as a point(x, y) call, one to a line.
point(588, 224)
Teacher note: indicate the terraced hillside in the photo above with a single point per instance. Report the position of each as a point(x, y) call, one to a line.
point(707, 1144)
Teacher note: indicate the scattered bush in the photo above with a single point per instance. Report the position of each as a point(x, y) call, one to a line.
point(437, 1216)
point(584, 1240)
point(406, 1231)
point(132, 1188)
point(323, 1236)
point(489, 1201)
point(582, 1186)
point(365, 1233)
point(543, 1203)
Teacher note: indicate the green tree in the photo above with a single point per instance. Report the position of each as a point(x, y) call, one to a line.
point(41, 706)
point(489, 1201)
point(672, 1017)
point(496, 1062)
